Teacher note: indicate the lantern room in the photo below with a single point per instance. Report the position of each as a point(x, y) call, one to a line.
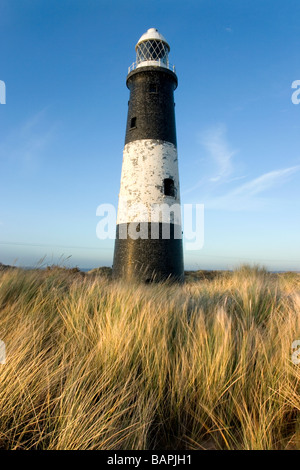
point(152, 49)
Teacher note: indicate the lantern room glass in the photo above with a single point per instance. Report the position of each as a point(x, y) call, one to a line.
point(152, 50)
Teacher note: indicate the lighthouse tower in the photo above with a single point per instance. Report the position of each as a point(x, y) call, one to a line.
point(148, 245)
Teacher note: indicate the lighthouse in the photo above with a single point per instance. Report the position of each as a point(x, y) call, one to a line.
point(148, 244)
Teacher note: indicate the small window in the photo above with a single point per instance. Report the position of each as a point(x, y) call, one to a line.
point(169, 188)
point(133, 123)
point(153, 88)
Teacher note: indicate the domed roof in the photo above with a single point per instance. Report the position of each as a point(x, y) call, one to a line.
point(152, 33)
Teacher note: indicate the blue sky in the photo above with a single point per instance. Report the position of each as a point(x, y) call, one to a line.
point(62, 128)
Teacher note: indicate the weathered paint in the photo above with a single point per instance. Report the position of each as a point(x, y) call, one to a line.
point(146, 163)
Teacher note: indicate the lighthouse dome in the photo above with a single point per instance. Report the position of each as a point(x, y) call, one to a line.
point(152, 49)
point(154, 34)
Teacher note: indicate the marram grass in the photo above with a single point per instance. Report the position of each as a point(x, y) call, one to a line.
point(97, 364)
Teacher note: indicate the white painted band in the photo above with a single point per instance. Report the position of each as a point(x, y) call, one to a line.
point(146, 163)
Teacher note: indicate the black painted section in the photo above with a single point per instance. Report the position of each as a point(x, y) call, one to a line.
point(149, 260)
point(154, 111)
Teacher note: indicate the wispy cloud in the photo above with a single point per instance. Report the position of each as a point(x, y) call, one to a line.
point(265, 182)
point(24, 144)
point(217, 153)
point(246, 196)
point(251, 195)
point(215, 142)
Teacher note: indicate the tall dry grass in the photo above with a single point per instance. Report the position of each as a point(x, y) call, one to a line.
point(97, 364)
